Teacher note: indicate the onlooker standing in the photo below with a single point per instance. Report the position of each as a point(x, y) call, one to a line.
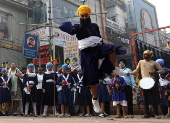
point(5, 83)
point(162, 89)
point(16, 94)
point(119, 96)
point(39, 90)
point(30, 91)
point(131, 85)
point(148, 68)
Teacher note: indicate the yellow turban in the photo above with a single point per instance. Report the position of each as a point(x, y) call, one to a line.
point(148, 52)
point(83, 9)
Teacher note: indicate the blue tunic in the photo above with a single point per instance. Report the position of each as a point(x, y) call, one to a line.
point(119, 94)
point(48, 98)
point(83, 95)
point(102, 93)
point(163, 98)
point(33, 96)
point(64, 95)
point(90, 55)
point(5, 95)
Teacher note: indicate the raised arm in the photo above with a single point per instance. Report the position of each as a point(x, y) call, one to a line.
point(68, 28)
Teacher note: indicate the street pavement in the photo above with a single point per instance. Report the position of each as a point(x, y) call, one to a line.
point(74, 119)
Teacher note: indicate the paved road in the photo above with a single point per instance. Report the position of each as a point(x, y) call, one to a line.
point(93, 119)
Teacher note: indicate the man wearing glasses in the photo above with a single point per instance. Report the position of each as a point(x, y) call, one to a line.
point(149, 68)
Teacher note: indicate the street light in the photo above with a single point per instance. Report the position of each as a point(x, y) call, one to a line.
point(83, 1)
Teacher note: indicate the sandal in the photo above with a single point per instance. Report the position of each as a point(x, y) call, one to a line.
point(24, 115)
point(118, 116)
point(35, 115)
point(125, 116)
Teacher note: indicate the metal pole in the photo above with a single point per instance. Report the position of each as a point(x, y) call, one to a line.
point(39, 55)
point(50, 37)
point(50, 20)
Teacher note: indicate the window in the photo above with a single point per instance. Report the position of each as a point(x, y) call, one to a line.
point(3, 25)
point(38, 14)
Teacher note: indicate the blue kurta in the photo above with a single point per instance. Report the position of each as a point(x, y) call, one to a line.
point(5, 95)
point(48, 98)
point(102, 93)
point(163, 98)
point(83, 97)
point(90, 55)
point(64, 95)
point(33, 96)
point(119, 94)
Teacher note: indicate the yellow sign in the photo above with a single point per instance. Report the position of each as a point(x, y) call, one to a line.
point(9, 46)
point(71, 53)
point(168, 45)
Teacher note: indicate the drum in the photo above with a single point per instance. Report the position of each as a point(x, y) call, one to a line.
point(146, 83)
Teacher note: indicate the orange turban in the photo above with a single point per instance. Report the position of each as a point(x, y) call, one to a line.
point(148, 52)
point(83, 9)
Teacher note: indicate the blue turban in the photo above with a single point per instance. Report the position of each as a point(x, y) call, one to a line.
point(75, 59)
point(160, 61)
point(3, 70)
point(30, 65)
point(79, 69)
point(49, 65)
point(65, 66)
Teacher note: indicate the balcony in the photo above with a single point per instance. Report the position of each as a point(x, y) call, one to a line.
point(19, 4)
point(25, 2)
point(111, 3)
point(115, 26)
point(75, 2)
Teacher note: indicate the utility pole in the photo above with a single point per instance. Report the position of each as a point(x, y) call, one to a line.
point(50, 31)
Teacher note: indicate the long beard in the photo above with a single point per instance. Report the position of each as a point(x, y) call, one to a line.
point(85, 23)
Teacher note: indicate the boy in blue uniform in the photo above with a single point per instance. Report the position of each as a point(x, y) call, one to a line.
point(30, 91)
point(5, 83)
point(83, 94)
point(48, 84)
point(65, 81)
point(119, 97)
point(163, 82)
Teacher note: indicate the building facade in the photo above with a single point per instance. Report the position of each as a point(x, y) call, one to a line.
point(12, 12)
point(142, 16)
point(164, 40)
point(61, 11)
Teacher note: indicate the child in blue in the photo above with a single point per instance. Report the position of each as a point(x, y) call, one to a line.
point(103, 94)
point(162, 83)
point(167, 95)
point(119, 96)
point(5, 83)
point(64, 94)
point(48, 84)
point(30, 91)
point(83, 95)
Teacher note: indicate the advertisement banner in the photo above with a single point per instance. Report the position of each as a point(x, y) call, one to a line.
point(59, 37)
point(131, 14)
point(30, 48)
point(71, 53)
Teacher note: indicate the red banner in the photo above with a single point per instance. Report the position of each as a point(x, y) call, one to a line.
point(43, 53)
point(42, 60)
point(43, 47)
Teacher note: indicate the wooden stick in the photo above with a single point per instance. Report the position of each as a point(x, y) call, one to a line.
point(54, 110)
point(39, 25)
